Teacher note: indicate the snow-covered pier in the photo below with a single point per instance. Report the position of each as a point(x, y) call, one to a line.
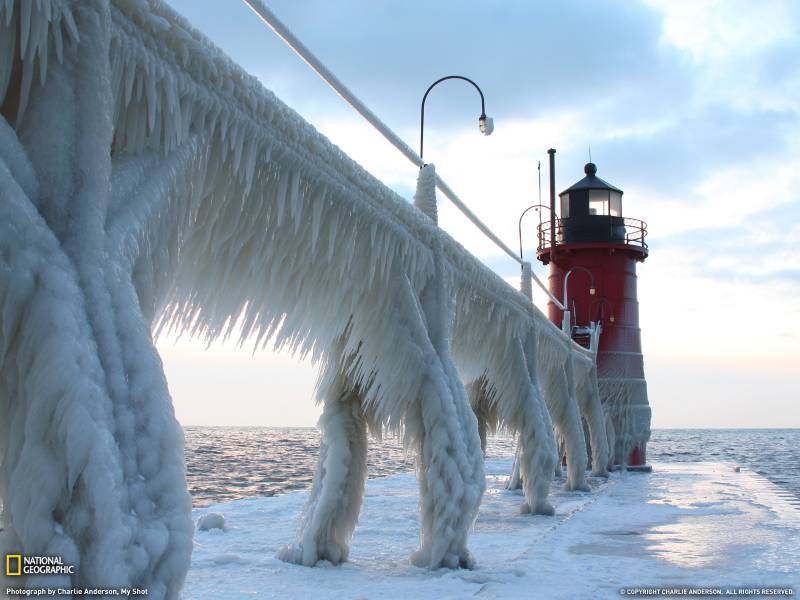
point(686, 525)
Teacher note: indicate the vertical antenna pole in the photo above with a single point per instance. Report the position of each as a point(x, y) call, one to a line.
point(539, 169)
point(552, 153)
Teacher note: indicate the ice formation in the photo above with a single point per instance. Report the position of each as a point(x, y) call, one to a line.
point(211, 521)
point(628, 413)
point(148, 183)
point(331, 512)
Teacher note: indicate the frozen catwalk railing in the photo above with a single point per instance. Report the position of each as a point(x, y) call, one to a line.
point(148, 183)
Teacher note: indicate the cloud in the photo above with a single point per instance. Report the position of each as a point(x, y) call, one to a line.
point(680, 155)
point(764, 250)
point(528, 59)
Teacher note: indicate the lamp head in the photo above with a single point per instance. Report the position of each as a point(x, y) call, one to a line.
point(611, 319)
point(486, 125)
point(592, 291)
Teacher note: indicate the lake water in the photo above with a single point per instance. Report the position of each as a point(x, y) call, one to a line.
point(229, 463)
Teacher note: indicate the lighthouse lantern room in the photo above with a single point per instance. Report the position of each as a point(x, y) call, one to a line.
point(594, 248)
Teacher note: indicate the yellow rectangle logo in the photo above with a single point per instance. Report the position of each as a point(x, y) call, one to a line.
point(13, 571)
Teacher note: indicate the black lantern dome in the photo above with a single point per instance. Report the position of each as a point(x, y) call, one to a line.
point(591, 196)
point(591, 211)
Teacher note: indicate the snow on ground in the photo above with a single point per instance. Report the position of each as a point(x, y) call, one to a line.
point(686, 524)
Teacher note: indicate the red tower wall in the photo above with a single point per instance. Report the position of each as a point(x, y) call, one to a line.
point(620, 364)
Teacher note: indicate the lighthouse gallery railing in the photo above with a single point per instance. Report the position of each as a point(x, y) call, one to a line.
point(627, 231)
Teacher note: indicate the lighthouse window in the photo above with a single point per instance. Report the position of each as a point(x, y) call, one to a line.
point(615, 204)
point(598, 202)
point(564, 205)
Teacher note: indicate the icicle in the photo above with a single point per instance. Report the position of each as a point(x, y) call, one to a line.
point(150, 93)
point(72, 29)
point(294, 198)
point(351, 244)
point(117, 72)
point(333, 227)
point(213, 120)
point(25, 10)
point(168, 84)
point(41, 29)
point(58, 41)
point(223, 126)
point(187, 108)
point(237, 141)
point(316, 216)
point(413, 262)
point(184, 55)
point(141, 128)
point(280, 194)
point(130, 76)
point(372, 270)
point(7, 56)
point(159, 138)
point(373, 230)
point(9, 11)
point(387, 252)
point(138, 85)
point(25, 87)
point(251, 151)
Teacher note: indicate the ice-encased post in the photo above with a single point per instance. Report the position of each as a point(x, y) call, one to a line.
point(523, 409)
point(526, 285)
point(559, 391)
point(425, 196)
point(441, 426)
point(560, 396)
point(332, 510)
point(479, 400)
point(588, 396)
point(536, 456)
point(109, 494)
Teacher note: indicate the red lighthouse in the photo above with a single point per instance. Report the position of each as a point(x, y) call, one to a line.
point(595, 249)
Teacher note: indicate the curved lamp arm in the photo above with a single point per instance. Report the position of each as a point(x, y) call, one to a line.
point(485, 123)
point(520, 224)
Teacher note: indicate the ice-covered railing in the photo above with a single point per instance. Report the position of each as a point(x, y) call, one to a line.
point(147, 182)
point(481, 398)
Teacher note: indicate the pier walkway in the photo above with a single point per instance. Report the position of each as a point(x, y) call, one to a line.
point(686, 525)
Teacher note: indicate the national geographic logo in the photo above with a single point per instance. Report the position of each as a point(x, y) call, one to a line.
point(18, 565)
point(13, 565)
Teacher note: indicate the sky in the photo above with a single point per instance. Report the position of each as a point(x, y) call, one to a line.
point(691, 107)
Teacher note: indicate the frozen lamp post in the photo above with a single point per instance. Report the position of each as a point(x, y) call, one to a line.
point(525, 285)
point(524, 212)
point(485, 124)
